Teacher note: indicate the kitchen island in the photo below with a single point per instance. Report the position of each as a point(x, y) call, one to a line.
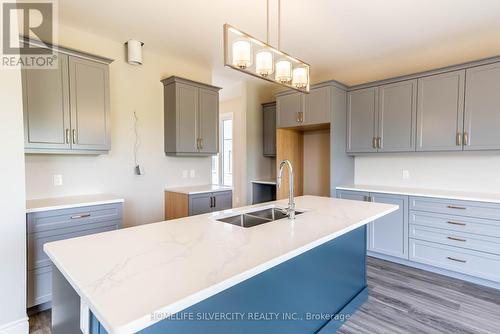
point(200, 275)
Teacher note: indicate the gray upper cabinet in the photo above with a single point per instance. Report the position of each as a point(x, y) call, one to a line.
point(191, 117)
point(440, 109)
point(299, 109)
point(89, 96)
point(482, 108)
point(362, 108)
point(46, 107)
point(288, 110)
point(317, 106)
point(269, 129)
point(397, 113)
point(66, 110)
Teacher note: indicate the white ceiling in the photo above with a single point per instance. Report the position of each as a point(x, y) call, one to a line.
point(352, 41)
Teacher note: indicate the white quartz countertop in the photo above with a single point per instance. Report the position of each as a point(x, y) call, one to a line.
point(206, 188)
point(128, 275)
point(57, 203)
point(436, 193)
point(269, 181)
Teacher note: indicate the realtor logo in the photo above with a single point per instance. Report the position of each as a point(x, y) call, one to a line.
point(28, 33)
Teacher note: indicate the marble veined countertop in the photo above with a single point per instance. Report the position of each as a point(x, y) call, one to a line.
point(57, 203)
point(436, 193)
point(126, 276)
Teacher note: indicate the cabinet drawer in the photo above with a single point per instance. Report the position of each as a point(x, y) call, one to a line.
point(39, 286)
point(454, 207)
point(56, 219)
point(462, 260)
point(37, 257)
point(456, 223)
point(464, 240)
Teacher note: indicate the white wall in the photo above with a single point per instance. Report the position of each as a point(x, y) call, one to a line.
point(132, 88)
point(13, 318)
point(465, 171)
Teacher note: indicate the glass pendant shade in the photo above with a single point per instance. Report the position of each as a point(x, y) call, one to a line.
point(264, 64)
point(242, 54)
point(300, 77)
point(283, 71)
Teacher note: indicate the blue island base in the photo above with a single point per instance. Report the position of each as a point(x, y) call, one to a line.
point(314, 292)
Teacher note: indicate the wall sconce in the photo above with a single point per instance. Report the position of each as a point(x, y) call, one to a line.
point(134, 52)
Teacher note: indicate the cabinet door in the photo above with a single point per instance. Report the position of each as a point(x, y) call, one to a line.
point(288, 109)
point(46, 107)
point(89, 96)
point(440, 108)
point(397, 114)
point(389, 235)
point(200, 204)
point(209, 121)
point(187, 119)
point(317, 106)
point(223, 200)
point(482, 108)
point(269, 130)
point(361, 120)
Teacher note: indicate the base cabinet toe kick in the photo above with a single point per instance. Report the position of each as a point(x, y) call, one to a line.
point(457, 238)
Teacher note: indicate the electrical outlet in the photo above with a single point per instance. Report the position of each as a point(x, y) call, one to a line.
point(184, 174)
point(57, 180)
point(405, 174)
point(192, 173)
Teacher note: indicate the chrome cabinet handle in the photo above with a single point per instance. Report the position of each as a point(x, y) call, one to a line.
point(456, 223)
point(201, 143)
point(297, 117)
point(74, 136)
point(455, 259)
point(457, 239)
point(81, 216)
point(466, 138)
point(67, 136)
point(301, 117)
point(456, 207)
point(379, 142)
point(459, 139)
point(374, 142)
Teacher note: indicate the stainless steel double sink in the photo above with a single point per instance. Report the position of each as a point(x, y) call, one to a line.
point(258, 217)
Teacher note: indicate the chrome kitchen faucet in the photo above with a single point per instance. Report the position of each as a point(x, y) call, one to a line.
point(290, 210)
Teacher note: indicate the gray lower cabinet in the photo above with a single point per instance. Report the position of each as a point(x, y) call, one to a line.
point(387, 235)
point(440, 108)
point(191, 117)
point(210, 202)
point(482, 108)
point(66, 110)
point(397, 116)
point(48, 226)
point(269, 129)
point(294, 109)
point(362, 110)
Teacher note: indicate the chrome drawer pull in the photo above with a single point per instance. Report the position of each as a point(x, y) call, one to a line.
point(457, 239)
point(456, 207)
point(81, 216)
point(455, 223)
point(456, 260)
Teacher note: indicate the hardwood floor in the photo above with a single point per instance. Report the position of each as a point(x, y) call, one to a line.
point(405, 300)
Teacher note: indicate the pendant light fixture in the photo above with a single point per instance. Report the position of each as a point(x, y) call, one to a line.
point(271, 64)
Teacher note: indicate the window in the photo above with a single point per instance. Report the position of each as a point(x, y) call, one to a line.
point(222, 163)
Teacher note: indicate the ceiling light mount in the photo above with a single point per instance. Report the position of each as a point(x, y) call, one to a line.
point(249, 55)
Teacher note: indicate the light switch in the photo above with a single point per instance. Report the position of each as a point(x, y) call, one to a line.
point(58, 180)
point(406, 174)
point(192, 173)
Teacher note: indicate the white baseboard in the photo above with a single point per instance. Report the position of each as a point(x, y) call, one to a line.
point(20, 326)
